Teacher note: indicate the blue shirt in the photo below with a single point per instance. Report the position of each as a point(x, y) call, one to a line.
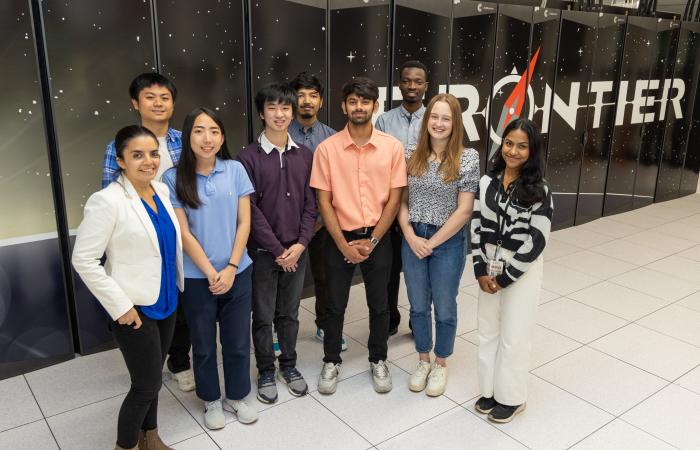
point(167, 237)
point(310, 138)
point(214, 223)
point(110, 168)
point(401, 124)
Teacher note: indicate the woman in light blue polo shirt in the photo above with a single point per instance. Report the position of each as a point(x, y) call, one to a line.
point(210, 194)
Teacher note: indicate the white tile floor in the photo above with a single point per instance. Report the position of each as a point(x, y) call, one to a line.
point(615, 364)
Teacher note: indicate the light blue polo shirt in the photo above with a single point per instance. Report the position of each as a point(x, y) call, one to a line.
point(214, 222)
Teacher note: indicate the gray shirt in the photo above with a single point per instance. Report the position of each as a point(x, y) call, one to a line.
point(311, 137)
point(401, 124)
point(430, 199)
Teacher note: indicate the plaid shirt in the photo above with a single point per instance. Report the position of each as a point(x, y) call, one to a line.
point(110, 168)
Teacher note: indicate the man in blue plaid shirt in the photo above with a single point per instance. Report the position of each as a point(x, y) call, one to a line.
point(153, 97)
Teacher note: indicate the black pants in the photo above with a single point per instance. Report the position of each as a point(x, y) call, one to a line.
point(394, 235)
point(375, 272)
point(276, 296)
point(318, 270)
point(179, 353)
point(144, 352)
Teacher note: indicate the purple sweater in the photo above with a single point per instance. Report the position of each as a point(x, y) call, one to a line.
point(283, 205)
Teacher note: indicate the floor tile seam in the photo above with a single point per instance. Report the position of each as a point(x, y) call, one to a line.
point(186, 409)
point(560, 333)
point(686, 373)
point(665, 380)
point(622, 419)
point(36, 400)
point(686, 389)
point(491, 424)
point(558, 357)
point(340, 418)
point(627, 322)
point(48, 425)
point(574, 395)
point(607, 312)
point(201, 434)
point(84, 405)
point(592, 433)
point(628, 262)
point(14, 427)
point(636, 322)
point(610, 280)
point(454, 408)
point(636, 266)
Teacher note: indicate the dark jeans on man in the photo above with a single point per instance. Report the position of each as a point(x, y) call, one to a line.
point(276, 296)
point(394, 234)
point(318, 270)
point(375, 273)
point(144, 351)
point(232, 311)
point(179, 353)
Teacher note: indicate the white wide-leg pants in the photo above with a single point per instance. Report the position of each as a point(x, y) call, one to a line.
point(505, 321)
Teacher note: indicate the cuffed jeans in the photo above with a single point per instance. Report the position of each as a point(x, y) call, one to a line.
point(276, 296)
point(434, 280)
point(506, 320)
point(144, 351)
point(232, 311)
point(375, 273)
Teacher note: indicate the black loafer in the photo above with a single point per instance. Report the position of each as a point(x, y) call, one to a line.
point(504, 413)
point(485, 404)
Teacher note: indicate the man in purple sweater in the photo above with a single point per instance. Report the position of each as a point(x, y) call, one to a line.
point(283, 218)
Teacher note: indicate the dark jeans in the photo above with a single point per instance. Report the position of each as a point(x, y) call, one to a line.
point(318, 270)
point(375, 272)
point(179, 353)
point(144, 352)
point(232, 311)
point(394, 235)
point(276, 296)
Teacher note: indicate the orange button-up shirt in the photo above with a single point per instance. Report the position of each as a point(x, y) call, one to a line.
point(360, 178)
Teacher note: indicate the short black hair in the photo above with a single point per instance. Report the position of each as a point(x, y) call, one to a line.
point(306, 80)
point(413, 64)
point(276, 93)
point(362, 87)
point(148, 79)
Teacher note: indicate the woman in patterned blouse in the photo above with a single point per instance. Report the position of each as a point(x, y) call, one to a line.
point(442, 179)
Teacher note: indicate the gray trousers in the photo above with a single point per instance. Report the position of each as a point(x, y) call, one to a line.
point(276, 296)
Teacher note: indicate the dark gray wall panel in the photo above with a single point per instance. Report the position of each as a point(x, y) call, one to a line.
point(34, 324)
point(473, 42)
point(201, 47)
point(288, 37)
point(600, 122)
point(568, 118)
point(634, 75)
point(360, 48)
point(663, 55)
point(95, 48)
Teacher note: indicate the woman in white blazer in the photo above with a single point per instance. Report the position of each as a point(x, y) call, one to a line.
point(133, 222)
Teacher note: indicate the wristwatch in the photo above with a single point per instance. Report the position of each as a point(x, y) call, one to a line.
point(374, 241)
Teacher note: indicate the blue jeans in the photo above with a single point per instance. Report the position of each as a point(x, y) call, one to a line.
point(434, 280)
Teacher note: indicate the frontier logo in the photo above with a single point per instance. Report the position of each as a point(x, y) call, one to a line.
point(638, 101)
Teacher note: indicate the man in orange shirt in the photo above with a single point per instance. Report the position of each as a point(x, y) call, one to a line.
point(359, 174)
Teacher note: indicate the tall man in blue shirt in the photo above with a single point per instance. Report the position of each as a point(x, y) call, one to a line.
point(153, 98)
point(403, 122)
point(308, 131)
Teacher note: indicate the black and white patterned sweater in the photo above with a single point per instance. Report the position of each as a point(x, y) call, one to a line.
point(525, 230)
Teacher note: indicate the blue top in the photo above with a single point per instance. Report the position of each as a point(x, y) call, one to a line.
point(167, 238)
point(110, 168)
point(401, 124)
point(214, 223)
point(311, 137)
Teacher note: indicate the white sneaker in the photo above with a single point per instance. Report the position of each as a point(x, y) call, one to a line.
point(328, 380)
point(381, 378)
point(245, 413)
point(214, 415)
point(185, 380)
point(419, 378)
point(437, 380)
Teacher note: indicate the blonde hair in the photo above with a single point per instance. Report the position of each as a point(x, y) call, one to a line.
point(417, 164)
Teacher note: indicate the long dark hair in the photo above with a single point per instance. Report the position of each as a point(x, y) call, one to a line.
point(186, 183)
point(125, 135)
point(529, 186)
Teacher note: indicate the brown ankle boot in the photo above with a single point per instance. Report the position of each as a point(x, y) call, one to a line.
point(152, 441)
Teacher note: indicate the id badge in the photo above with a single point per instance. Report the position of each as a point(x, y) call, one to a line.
point(495, 267)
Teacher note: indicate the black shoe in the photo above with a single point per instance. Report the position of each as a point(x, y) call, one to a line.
point(394, 330)
point(485, 404)
point(504, 413)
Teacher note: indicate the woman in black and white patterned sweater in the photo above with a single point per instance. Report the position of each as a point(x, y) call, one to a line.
point(510, 228)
